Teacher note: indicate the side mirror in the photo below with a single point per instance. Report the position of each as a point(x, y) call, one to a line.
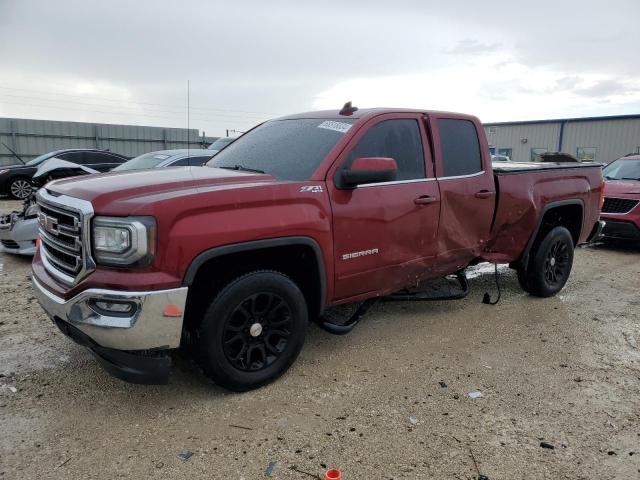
point(368, 170)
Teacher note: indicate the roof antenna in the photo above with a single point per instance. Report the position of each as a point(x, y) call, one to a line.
point(348, 109)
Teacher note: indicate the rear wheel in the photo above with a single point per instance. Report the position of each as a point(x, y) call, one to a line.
point(549, 265)
point(253, 330)
point(20, 188)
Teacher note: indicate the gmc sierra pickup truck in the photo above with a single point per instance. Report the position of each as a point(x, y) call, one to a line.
point(230, 261)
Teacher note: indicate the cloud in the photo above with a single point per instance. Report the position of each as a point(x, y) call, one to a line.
point(608, 88)
point(129, 62)
point(473, 47)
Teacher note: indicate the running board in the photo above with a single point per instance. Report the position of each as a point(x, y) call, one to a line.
point(349, 325)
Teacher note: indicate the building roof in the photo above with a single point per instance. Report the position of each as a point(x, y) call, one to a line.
point(563, 120)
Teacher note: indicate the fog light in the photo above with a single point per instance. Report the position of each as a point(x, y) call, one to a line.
point(105, 307)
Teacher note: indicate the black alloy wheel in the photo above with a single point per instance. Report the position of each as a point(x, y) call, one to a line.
point(253, 330)
point(556, 264)
point(257, 332)
point(550, 263)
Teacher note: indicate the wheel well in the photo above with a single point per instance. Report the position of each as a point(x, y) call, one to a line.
point(568, 216)
point(299, 262)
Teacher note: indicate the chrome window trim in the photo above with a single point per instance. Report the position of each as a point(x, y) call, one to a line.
point(85, 210)
point(628, 211)
point(456, 177)
point(396, 182)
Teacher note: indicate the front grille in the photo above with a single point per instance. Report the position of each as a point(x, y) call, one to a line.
point(9, 244)
point(618, 205)
point(61, 233)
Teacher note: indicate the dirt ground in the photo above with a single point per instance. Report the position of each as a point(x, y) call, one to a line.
point(390, 400)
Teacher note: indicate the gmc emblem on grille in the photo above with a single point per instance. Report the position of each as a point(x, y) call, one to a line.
point(50, 224)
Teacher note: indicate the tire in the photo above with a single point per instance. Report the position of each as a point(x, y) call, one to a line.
point(252, 331)
point(20, 188)
point(550, 264)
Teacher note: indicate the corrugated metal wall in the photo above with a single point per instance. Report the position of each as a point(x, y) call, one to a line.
point(611, 138)
point(522, 138)
point(30, 138)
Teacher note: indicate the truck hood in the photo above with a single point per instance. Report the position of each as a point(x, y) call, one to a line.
point(138, 184)
point(622, 188)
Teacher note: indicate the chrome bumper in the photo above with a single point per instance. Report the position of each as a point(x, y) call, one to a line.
point(150, 325)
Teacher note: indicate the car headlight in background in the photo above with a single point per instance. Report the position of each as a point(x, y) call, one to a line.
point(3, 171)
point(31, 211)
point(124, 241)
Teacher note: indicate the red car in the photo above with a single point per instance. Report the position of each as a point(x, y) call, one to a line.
point(302, 213)
point(621, 210)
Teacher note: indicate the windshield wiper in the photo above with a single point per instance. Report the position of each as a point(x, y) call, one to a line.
point(242, 168)
point(630, 178)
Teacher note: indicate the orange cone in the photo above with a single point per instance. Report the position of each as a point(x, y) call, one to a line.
point(333, 474)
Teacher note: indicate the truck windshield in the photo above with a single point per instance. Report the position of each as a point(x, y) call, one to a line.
point(287, 149)
point(622, 169)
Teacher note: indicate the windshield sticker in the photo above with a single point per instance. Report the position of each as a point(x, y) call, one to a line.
point(161, 157)
point(335, 126)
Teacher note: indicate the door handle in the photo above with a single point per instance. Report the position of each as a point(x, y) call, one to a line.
point(484, 194)
point(426, 199)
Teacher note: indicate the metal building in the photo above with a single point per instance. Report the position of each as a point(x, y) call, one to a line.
point(30, 138)
point(602, 139)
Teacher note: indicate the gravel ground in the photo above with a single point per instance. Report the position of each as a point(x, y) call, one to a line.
point(390, 400)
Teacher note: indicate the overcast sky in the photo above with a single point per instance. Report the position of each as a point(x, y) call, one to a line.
point(129, 61)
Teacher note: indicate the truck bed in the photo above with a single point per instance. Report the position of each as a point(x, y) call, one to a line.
point(526, 190)
point(509, 168)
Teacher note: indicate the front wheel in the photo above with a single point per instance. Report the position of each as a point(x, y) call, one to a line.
point(20, 188)
point(550, 264)
point(253, 330)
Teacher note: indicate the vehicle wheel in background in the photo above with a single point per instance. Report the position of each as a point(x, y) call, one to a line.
point(20, 188)
point(253, 330)
point(550, 264)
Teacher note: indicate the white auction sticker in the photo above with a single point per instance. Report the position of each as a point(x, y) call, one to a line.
point(335, 126)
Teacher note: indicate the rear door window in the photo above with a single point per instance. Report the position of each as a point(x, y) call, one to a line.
point(460, 147)
point(398, 139)
point(73, 157)
point(199, 161)
point(183, 162)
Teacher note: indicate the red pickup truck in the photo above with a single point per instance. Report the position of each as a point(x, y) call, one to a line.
point(302, 213)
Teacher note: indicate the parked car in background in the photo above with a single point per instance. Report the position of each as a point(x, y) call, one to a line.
point(15, 180)
point(220, 143)
point(621, 208)
point(500, 158)
point(19, 229)
point(168, 158)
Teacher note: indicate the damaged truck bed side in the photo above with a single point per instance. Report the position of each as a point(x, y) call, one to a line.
point(231, 260)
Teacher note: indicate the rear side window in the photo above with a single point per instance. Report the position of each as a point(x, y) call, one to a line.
point(73, 157)
point(199, 161)
point(460, 147)
point(397, 139)
point(183, 162)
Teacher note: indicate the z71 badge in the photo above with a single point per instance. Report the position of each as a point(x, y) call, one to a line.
point(311, 188)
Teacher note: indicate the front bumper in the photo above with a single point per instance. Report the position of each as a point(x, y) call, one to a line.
point(17, 235)
point(621, 230)
point(124, 342)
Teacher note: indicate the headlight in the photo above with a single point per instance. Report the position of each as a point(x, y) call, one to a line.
point(31, 211)
point(124, 241)
point(3, 171)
